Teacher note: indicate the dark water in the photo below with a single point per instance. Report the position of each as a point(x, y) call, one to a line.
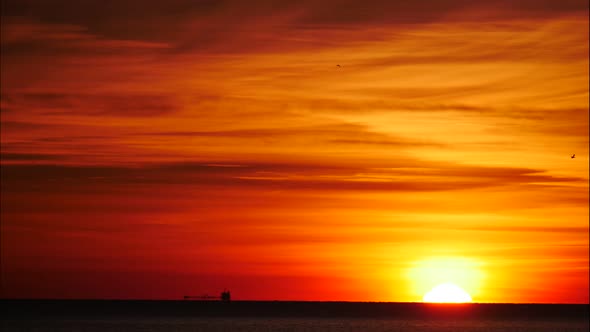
point(21, 315)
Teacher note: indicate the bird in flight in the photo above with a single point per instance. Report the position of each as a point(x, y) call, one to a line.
point(338, 66)
point(573, 156)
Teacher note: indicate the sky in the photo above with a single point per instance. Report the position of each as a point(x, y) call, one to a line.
point(295, 150)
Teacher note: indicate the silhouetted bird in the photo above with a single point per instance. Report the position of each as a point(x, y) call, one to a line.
point(338, 66)
point(573, 156)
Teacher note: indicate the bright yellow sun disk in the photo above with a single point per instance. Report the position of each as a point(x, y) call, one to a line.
point(425, 275)
point(447, 293)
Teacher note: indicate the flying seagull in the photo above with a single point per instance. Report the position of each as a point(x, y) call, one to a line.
point(573, 156)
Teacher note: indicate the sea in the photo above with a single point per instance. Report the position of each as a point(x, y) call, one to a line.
point(258, 316)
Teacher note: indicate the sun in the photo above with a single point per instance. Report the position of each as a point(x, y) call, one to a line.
point(447, 293)
point(446, 279)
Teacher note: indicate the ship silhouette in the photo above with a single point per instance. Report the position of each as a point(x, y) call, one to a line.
point(225, 296)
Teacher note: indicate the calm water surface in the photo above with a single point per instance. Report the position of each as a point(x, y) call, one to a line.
point(182, 324)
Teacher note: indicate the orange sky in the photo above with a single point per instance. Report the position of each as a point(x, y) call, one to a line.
point(157, 149)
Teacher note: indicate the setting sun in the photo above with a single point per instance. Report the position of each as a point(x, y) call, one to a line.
point(447, 293)
point(435, 279)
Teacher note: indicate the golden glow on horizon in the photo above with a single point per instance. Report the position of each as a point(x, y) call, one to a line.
point(428, 274)
point(447, 293)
